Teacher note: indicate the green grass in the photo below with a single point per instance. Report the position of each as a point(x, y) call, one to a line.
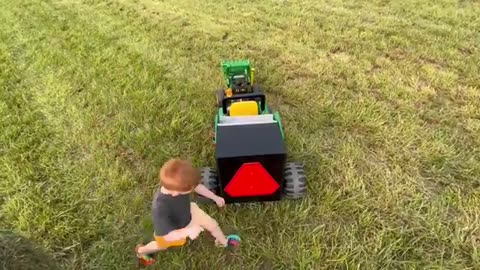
point(380, 99)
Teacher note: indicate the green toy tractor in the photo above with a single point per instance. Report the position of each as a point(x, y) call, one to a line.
point(238, 75)
point(251, 155)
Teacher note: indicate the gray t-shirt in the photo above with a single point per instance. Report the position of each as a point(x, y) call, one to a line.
point(170, 212)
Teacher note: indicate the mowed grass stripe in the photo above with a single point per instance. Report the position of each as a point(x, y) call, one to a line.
point(117, 90)
point(101, 178)
point(316, 118)
point(150, 13)
point(109, 240)
point(56, 206)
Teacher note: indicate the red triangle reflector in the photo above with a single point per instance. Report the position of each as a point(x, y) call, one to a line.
point(251, 179)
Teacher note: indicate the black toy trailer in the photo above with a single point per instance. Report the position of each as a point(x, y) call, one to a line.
point(251, 156)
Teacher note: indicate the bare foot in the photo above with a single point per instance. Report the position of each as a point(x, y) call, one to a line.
point(220, 244)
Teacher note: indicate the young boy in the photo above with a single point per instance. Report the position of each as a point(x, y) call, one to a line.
point(175, 217)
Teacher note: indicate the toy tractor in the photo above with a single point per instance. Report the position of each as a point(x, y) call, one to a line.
point(251, 156)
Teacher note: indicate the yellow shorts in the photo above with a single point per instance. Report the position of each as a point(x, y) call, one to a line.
point(164, 244)
point(199, 217)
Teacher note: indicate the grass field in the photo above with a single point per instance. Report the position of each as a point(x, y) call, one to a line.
point(380, 99)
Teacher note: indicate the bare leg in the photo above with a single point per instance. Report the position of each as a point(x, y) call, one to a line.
point(150, 248)
point(220, 237)
point(205, 221)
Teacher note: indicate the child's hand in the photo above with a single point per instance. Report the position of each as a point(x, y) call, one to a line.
point(219, 201)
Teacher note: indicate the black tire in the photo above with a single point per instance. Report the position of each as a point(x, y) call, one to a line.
point(209, 180)
point(295, 181)
point(256, 88)
point(220, 94)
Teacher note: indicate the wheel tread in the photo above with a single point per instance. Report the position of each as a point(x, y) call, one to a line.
point(295, 180)
point(209, 179)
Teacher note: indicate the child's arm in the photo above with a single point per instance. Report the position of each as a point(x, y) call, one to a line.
point(205, 192)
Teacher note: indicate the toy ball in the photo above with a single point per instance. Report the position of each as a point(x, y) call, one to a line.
point(233, 240)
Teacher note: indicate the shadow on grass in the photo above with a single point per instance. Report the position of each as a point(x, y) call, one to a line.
point(18, 252)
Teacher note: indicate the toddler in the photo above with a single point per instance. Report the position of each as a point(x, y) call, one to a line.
point(175, 217)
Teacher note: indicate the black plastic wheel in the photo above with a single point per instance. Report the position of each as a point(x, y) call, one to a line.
point(209, 180)
point(295, 181)
point(220, 95)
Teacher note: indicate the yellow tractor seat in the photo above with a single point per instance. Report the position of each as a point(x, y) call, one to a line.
point(244, 108)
